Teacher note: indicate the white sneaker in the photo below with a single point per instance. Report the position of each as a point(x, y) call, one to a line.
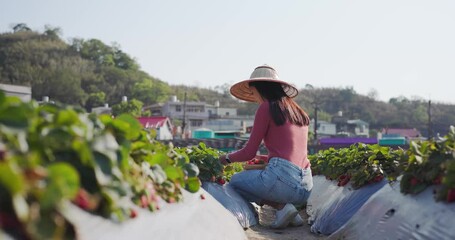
point(297, 221)
point(284, 216)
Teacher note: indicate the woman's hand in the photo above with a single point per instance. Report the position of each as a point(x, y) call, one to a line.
point(264, 158)
point(223, 159)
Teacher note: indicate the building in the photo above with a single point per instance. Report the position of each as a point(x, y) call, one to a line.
point(201, 115)
point(358, 128)
point(102, 110)
point(325, 129)
point(408, 133)
point(399, 136)
point(23, 92)
point(162, 125)
point(194, 116)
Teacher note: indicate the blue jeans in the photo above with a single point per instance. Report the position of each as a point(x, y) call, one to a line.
point(280, 182)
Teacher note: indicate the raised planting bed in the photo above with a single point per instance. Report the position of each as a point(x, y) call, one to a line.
point(346, 193)
point(53, 156)
point(197, 216)
point(389, 214)
point(330, 206)
point(344, 179)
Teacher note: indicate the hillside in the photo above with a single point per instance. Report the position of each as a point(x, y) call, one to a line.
point(88, 72)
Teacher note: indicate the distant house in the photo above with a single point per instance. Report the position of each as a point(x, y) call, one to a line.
point(195, 113)
point(102, 110)
point(325, 129)
point(162, 125)
point(23, 92)
point(201, 115)
point(408, 133)
point(358, 128)
point(398, 136)
point(350, 127)
point(232, 123)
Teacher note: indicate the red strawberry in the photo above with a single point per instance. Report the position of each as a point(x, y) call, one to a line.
point(144, 201)
point(8, 221)
point(82, 199)
point(2, 155)
point(378, 178)
point(202, 196)
point(451, 195)
point(133, 213)
point(221, 181)
point(414, 181)
point(343, 182)
point(437, 180)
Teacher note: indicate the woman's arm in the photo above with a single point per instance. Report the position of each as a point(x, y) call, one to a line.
point(262, 157)
point(260, 127)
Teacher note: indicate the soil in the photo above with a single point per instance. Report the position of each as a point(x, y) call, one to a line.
point(263, 231)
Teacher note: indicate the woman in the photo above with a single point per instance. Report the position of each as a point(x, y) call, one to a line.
point(283, 126)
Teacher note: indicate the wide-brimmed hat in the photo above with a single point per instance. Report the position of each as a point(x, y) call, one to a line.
point(264, 73)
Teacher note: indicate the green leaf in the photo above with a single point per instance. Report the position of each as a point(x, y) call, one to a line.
point(133, 126)
point(67, 117)
point(14, 117)
point(58, 138)
point(11, 178)
point(157, 174)
point(192, 169)
point(83, 150)
point(2, 97)
point(173, 173)
point(104, 163)
point(193, 184)
point(158, 158)
point(107, 145)
point(63, 183)
point(202, 145)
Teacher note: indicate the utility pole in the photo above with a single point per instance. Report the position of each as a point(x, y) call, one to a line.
point(316, 123)
point(430, 129)
point(184, 114)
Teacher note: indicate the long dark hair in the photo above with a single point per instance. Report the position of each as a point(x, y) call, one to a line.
point(281, 106)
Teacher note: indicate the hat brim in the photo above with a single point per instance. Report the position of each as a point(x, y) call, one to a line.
point(242, 91)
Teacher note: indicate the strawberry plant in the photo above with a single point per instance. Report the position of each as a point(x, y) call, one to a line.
point(359, 164)
point(53, 154)
point(231, 169)
point(207, 161)
point(431, 163)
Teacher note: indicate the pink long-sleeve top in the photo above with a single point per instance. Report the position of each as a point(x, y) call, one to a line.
point(287, 141)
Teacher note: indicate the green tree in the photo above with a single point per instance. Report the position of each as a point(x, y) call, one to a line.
point(96, 99)
point(52, 32)
point(150, 91)
point(133, 107)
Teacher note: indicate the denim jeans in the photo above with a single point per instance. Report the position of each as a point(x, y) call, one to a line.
point(280, 182)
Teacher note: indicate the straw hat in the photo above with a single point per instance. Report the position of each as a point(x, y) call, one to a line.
point(264, 73)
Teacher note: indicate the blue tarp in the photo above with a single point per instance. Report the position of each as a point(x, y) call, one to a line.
point(330, 207)
point(389, 214)
point(232, 201)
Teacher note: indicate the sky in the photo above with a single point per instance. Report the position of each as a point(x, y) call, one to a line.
point(390, 47)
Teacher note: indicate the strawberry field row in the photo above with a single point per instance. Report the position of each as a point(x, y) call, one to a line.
point(53, 154)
